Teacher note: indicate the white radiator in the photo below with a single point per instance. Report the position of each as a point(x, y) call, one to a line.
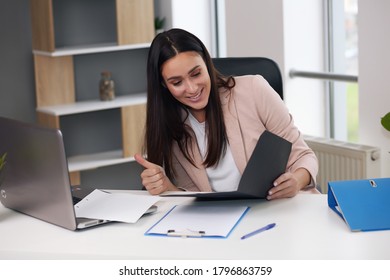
point(340, 160)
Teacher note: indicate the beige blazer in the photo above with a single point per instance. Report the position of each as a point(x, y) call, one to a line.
point(251, 108)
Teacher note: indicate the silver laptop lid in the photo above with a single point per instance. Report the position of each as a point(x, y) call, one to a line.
point(35, 178)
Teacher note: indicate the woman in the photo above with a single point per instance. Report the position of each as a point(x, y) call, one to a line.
point(202, 127)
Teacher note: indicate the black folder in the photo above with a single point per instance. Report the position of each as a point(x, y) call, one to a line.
point(267, 162)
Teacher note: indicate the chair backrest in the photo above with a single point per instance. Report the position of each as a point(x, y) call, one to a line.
point(237, 66)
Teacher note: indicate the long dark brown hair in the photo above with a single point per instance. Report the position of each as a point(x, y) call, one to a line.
point(164, 122)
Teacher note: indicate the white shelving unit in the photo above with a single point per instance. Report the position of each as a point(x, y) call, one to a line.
point(92, 161)
point(93, 105)
point(97, 160)
point(55, 73)
point(90, 49)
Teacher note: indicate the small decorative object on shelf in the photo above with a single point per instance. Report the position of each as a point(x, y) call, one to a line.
point(106, 86)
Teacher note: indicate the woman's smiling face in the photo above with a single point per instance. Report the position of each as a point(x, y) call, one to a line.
point(186, 77)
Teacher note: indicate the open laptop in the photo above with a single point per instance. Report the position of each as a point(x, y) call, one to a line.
point(35, 179)
point(267, 162)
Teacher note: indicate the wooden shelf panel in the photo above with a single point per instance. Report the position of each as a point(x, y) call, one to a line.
point(42, 26)
point(133, 124)
point(90, 49)
point(93, 161)
point(135, 21)
point(94, 105)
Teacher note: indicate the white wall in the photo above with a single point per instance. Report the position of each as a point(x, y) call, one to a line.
point(374, 87)
point(255, 28)
point(193, 16)
point(289, 32)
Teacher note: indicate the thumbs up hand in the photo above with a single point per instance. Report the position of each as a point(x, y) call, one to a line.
point(153, 177)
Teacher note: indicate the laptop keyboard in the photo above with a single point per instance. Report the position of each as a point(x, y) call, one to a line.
point(76, 200)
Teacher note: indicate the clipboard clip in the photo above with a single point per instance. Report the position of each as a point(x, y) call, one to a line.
point(186, 233)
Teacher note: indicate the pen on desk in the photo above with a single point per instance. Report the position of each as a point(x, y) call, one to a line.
point(267, 227)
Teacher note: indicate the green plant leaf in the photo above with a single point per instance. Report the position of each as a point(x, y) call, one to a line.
point(159, 23)
point(385, 121)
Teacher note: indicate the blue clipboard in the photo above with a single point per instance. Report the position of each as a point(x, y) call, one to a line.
point(199, 220)
point(363, 204)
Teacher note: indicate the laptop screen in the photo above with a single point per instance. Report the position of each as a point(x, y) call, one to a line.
point(35, 179)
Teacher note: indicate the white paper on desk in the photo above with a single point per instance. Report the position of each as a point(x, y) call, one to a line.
point(120, 207)
point(214, 220)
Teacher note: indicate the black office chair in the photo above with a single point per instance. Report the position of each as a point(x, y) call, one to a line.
point(266, 67)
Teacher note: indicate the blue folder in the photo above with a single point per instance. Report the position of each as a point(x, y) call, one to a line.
point(363, 204)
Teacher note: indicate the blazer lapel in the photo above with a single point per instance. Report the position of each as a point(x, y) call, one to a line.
point(198, 175)
point(233, 130)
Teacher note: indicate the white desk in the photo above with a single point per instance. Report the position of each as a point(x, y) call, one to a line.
point(306, 229)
